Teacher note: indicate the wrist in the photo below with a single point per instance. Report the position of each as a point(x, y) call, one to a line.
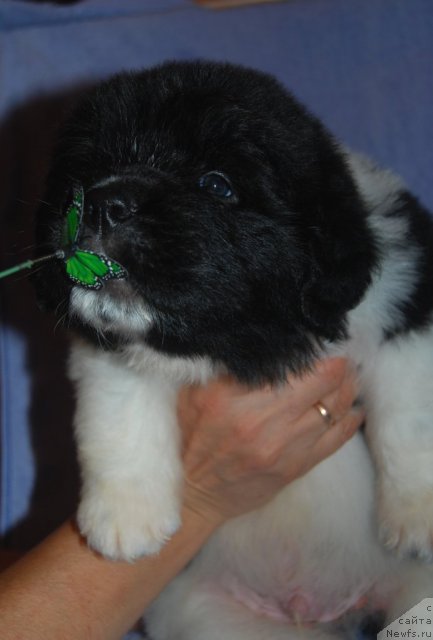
point(200, 511)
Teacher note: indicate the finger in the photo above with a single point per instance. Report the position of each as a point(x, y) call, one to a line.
point(212, 397)
point(304, 433)
point(314, 386)
point(328, 443)
point(224, 398)
point(313, 443)
point(312, 424)
point(336, 435)
point(336, 405)
point(300, 391)
point(295, 397)
point(273, 415)
point(345, 396)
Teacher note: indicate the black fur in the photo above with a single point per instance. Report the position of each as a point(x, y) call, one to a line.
point(256, 281)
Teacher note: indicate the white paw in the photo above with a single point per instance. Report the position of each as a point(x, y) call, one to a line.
point(406, 523)
point(124, 522)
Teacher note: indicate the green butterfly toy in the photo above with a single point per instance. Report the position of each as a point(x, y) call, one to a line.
point(85, 268)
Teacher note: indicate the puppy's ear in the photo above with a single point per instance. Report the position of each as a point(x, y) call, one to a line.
point(342, 250)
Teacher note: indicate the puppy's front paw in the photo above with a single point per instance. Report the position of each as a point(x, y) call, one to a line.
point(124, 522)
point(406, 523)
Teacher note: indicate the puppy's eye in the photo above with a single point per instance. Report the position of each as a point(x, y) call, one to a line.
point(216, 183)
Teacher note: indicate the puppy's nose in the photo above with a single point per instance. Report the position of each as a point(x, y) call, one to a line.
point(107, 206)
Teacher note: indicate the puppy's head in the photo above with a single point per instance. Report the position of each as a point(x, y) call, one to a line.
point(231, 209)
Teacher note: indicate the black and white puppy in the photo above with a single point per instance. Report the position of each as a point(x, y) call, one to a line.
point(254, 244)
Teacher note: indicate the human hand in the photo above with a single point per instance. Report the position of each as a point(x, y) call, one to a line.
point(241, 446)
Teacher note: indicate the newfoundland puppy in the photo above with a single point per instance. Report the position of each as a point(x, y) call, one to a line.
point(245, 240)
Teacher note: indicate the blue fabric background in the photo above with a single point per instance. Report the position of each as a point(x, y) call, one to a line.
point(364, 67)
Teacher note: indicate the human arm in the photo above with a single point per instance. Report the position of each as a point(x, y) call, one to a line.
point(240, 448)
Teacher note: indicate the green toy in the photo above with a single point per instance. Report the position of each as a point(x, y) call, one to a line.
point(28, 264)
point(85, 268)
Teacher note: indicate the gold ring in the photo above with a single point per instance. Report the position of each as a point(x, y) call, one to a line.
point(326, 415)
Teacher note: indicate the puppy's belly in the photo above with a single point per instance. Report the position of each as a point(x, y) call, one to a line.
point(303, 603)
point(312, 553)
